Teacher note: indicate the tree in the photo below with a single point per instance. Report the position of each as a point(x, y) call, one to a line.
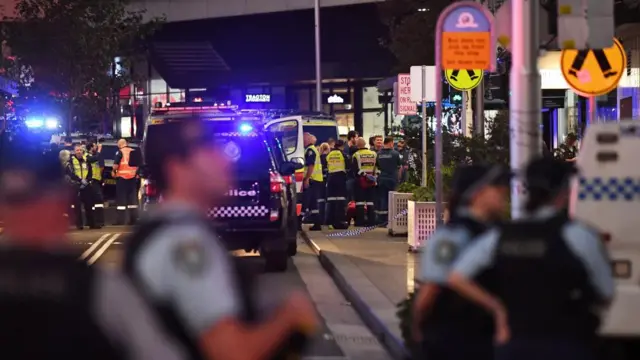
point(71, 45)
point(412, 25)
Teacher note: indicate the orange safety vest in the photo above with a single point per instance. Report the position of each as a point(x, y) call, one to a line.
point(124, 170)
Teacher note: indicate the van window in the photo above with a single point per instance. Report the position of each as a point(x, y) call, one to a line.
point(287, 133)
point(322, 132)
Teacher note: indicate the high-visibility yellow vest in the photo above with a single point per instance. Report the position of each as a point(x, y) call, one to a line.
point(96, 172)
point(316, 175)
point(335, 162)
point(80, 168)
point(366, 161)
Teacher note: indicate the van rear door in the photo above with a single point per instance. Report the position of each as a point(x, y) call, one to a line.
point(289, 132)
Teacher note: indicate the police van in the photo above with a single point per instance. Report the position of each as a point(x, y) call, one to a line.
point(606, 195)
point(258, 212)
point(290, 128)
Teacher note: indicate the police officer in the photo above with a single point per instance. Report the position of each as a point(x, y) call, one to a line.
point(126, 184)
point(389, 167)
point(401, 148)
point(313, 181)
point(94, 158)
point(363, 165)
point(446, 325)
point(552, 274)
point(52, 305)
point(79, 172)
point(568, 151)
point(323, 149)
point(337, 164)
point(178, 262)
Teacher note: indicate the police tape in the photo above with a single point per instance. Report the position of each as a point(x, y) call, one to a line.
point(356, 232)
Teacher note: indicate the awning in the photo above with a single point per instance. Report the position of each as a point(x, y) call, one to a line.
point(187, 64)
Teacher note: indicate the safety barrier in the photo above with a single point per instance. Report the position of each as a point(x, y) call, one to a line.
point(398, 204)
point(421, 222)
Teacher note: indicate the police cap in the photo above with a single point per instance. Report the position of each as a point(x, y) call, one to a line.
point(27, 172)
point(549, 174)
point(468, 179)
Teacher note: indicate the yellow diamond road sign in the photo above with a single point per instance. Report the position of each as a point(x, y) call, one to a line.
point(464, 79)
point(594, 72)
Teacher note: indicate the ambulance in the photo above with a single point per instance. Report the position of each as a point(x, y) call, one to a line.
point(606, 195)
point(290, 129)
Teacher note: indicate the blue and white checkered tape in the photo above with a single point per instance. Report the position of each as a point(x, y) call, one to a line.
point(608, 189)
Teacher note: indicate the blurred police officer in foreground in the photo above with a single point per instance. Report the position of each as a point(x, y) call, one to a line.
point(363, 166)
point(125, 173)
point(94, 158)
point(52, 305)
point(79, 172)
point(184, 271)
point(448, 326)
point(552, 274)
point(337, 164)
point(389, 167)
point(313, 181)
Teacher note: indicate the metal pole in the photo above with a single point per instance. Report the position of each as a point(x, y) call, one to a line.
point(438, 170)
point(592, 115)
point(464, 119)
point(425, 125)
point(316, 14)
point(526, 99)
point(479, 111)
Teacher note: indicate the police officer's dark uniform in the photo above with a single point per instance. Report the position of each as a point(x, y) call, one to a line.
point(551, 273)
point(455, 328)
point(80, 173)
point(337, 165)
point(97, 165)
point(388, 165)
point(176, 259)
point(312, 193)
point(568, 149)
point(363, 165)
point(322, 200)
point(52, 305)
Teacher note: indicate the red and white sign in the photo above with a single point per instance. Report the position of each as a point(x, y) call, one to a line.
point(403, 103)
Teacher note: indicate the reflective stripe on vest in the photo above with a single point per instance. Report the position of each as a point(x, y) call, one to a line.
point(317, 169)
point(335, 162)
point(80, 168)
point(124, 170)
point(366, 161)
point(96, 172)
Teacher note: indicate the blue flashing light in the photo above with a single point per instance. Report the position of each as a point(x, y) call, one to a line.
point(34, 122)
point(245, 128)
point(51, 123)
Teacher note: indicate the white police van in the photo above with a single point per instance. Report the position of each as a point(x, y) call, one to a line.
point(606, 195)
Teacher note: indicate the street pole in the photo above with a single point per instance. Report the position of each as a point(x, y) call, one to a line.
point(525, 104)
point(316, 14)
point(479, 111)
point(425, 125)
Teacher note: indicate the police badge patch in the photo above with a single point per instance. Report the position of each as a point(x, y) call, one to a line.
point(446, 251)
point(191, 257)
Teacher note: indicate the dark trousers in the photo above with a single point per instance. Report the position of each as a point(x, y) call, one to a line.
point(456, 347)
point(126, 200)
point(337, 200)
point(98, 202)
point(364, 197)
point(385, 185)
point(525, 348)
point(322, 203)
point(351, 183)
point(311, 196)
point(84, 199)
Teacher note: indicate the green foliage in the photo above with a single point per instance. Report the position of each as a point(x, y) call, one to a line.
point(71, 46)
point(406, 187)
point(423, 194)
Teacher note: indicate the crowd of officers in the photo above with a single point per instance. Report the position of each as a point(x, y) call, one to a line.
point(336, 173)
point(84, 166)
point(531, 289)
point(180, 294)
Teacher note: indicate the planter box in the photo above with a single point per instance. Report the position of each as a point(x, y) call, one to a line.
point(397, 205)
point(421, 218)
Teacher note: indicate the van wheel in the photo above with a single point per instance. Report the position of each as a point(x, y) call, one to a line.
point(276, 261)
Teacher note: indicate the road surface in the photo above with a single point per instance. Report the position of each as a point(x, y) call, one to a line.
point(343, 335)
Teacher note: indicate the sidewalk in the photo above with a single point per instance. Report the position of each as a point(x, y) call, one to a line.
point(375, 272)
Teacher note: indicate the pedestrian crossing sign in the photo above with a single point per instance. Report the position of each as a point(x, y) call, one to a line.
point(464, 79)
point(594, 72)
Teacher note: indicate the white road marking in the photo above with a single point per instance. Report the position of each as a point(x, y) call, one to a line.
point(103, 249)
point(93, 247)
